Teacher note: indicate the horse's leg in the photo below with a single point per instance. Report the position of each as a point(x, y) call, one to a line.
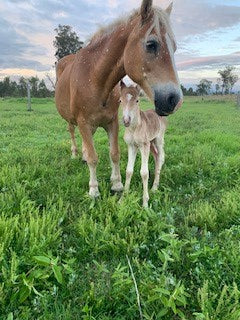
point(112, 130)
point(132, 152)
point(91, 157)
point(84, 152)
point(159, 161)
point(71, 129)
point(145, 150)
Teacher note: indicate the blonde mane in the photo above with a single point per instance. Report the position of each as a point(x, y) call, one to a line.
point(160, 18)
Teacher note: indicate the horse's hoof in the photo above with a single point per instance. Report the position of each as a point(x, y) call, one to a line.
point(118, 187)
point(94, 193)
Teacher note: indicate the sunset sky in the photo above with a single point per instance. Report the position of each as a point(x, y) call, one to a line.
point(207, 32)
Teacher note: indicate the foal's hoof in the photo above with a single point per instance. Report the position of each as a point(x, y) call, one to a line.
point(118, 187)
point(94, 193)
point(154, 188)
point(145, 205)
point(74, 156)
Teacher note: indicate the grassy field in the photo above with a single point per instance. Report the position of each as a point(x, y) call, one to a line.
point(64, 256)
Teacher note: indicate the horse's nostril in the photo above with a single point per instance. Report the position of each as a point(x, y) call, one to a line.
point(172, 101)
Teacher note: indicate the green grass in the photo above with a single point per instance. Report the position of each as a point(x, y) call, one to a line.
point(63, 256)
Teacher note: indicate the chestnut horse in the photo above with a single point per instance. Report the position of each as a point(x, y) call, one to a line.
point(87, 94)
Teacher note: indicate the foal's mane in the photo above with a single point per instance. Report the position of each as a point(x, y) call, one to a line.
point(160, 17)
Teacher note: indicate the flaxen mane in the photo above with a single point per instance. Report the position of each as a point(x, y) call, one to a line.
point(160, 19)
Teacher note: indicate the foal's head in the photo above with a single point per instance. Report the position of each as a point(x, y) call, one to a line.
point(130, 104)
point(149, 58)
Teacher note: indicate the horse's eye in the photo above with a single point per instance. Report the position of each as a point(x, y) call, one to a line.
point(152, 46)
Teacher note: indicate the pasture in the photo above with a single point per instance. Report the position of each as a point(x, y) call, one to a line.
point(63, 255)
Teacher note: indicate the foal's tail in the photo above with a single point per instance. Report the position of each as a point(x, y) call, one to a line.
point(153, 149)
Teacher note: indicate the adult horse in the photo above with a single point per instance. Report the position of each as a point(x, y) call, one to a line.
point(141, 46)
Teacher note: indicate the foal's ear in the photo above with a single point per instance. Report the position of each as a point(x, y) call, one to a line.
point(122, 84)
point(146, 9)
point(138, 89)
point(169, 8)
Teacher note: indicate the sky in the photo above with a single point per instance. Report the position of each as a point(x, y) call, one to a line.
point(207, 33)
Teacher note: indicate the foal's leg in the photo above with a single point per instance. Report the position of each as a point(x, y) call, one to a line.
point(145, 150)
point(132, 152)
point(91, 157)
point(112, 130)
point(159, 161)
point(71, 129)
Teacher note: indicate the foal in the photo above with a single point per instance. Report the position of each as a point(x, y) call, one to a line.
point(144, 131)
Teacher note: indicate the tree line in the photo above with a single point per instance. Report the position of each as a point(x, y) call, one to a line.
point(9, 88)
point(224, 85)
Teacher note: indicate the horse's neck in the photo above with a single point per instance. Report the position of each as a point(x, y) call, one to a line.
point(110, 65)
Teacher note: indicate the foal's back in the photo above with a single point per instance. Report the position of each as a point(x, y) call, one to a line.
point(153, 122)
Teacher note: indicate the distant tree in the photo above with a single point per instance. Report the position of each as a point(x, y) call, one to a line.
point(227, 79)
point(191, 92)
point(22, 87)
point(232, 80)
point(43, 91)
point(34, 81)
point(187, 92)
point(218, 86)
point(204, 87)
point(66, 41)
point(184, 90)
point(6, 87)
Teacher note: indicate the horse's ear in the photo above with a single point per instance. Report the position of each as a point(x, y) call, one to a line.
point(122, 84)
point(169, 8)
point(146, 9)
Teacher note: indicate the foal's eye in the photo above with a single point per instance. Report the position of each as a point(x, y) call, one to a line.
point(152, 46)
point(137, 101)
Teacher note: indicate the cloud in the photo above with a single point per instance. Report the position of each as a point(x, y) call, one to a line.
point(15, 47)
point(199, 17)
point(211, 62)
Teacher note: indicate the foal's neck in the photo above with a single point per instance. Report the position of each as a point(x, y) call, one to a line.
point(137, 120)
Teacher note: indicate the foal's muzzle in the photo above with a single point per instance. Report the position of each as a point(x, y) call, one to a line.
point(167, 101)
point(126, 121)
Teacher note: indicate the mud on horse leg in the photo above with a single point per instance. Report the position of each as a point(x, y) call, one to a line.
point(71, 129)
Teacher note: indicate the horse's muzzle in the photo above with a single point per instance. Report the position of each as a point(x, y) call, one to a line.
point(167, 103)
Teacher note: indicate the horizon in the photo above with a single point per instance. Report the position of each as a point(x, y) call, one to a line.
point(207, 34)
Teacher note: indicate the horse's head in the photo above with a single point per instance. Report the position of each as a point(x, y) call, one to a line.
point(149, 58)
